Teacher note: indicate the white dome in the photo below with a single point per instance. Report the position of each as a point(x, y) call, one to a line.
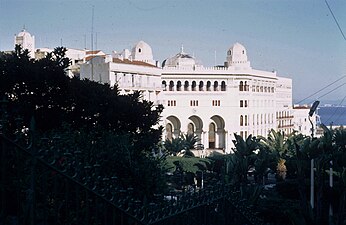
point(181, 59)
point(236, 55)
point(142, 52)
point(24, 33)
point(237, 52)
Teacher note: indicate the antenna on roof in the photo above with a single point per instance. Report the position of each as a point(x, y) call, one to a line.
point(182, 48)
point(92, 42)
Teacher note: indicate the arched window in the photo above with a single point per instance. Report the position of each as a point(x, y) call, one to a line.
point(200, 86)
point(241, 103)
point(265, 89)
point(169, 129)
point(245, 103)
point(208, 86)
point(216, 86)
point(190, 128)
point(261, 88)
point(241, 86)
point(245, 120)
point(193, 88)
point(171, 86)
point(211, 135)
point(179, 85)
point(186, 86)
point(257, 88)
point(246, 86)
point(223, 86)
point(241, 120)
point(164, 85)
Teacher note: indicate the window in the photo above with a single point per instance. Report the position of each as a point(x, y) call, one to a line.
point(245, 120)
point(139, 50)
point(241, 86)
point(223, 86)
point(241, 120)
point(193, 86)
point(245, 105)
point(164, 85)
point(246, 86)
point(200, 86)
point(216, 103)
point(241, 103)
point(208, 86)
point(171, 86)
point(186, 86)
point(171, 103)
point(179, 85)
point(216, 86)
point(194, 103)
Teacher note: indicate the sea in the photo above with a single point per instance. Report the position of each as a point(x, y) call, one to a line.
point(332, 115)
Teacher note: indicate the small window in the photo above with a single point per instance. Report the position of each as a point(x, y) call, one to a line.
point(139, 50)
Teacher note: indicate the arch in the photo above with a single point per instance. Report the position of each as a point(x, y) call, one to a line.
point(176, 125)
point(190, 128)
point(200, 86)
point(246, 86)
point(169, 131)
point(216, 86)
point(211, 135)
point(164, 85)
point(186, 85)
point(193, 87)
point(220, 133)
point(241, 86)
point(208, 86)
point(171, 86)
point(179, 85)
point(198, 126)
point(223, 86)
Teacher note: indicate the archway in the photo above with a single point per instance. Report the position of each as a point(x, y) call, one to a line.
point(196, 124)
point(211, 135)
point(175, 126)
point(220, 133)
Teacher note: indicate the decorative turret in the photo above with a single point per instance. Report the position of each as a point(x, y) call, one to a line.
point(142, 52)
point(27, 41)
point(237, 57)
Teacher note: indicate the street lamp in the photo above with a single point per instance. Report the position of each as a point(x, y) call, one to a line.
point(311, 113)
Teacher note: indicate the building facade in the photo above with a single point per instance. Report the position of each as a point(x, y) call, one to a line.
point(216, 102)
point(213, 103)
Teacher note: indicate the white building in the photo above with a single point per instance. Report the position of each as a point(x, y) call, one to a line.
point(211, 102)
point(27, 41)
point(216, 102)
point(130, 71)
point(302, 123)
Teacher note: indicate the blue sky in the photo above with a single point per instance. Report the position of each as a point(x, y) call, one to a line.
point(297, 38)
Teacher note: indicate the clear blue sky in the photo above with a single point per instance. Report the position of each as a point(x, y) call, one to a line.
point(299, 39)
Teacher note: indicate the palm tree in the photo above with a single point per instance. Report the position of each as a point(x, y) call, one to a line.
point(281, 146)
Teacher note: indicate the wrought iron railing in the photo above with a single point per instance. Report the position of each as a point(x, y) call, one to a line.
point(52, 185)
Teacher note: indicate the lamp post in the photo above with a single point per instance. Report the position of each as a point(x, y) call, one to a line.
point(311, 113)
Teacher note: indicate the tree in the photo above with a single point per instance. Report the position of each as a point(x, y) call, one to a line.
point(92, 117)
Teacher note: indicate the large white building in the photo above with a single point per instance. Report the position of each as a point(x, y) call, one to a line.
point(210, 102)
point(216, 102)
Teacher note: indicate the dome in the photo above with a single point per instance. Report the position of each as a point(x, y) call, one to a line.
point(237, 52)
point(142, 52)
point(236, 55)
point(181, 59)
point(24, 33)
